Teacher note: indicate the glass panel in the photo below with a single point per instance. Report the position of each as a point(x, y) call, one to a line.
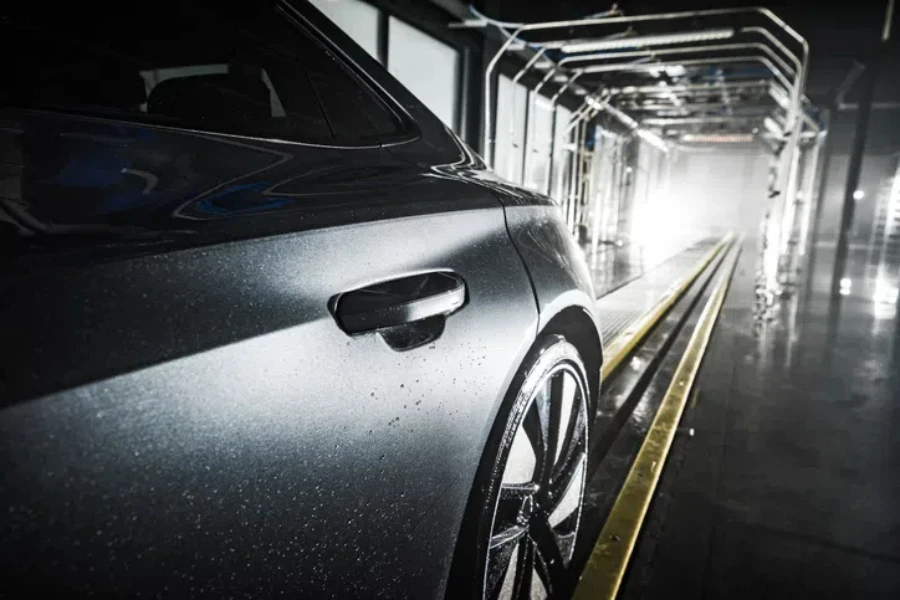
point(540, 136)
point(358, 20)
point(427, 67)
point(562, 152)
point(246, 71)
point(510, 134)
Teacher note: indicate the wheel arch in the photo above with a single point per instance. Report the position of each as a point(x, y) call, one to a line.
point(576, 324)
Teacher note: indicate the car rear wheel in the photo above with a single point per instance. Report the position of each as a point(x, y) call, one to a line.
point(522, 520)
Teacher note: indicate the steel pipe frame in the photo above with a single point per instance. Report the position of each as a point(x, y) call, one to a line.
point(689, 107)
point(579, 117)
point(711, 60)
point(808, 191)
point(755, 58)
point(553, 101)
point(650, 66)
point(769, 83)
point(488, 148)
point(604, 156)
point(686, 50)
point(585, 112)
point(697, 120)
point(808, 120)
point(665, 121)
point(788, 170)
point(687, 90)
point(788, 225)
point(529, 134)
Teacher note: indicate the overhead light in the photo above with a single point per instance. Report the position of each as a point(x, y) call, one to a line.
point(859, 195)
point(642, 41)
point(560, 78)
point(718, 138)
point(543, 65)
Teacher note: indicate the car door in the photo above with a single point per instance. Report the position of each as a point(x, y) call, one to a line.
point(195, 398)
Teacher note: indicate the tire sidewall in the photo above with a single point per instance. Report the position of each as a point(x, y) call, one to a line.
point(468, 568)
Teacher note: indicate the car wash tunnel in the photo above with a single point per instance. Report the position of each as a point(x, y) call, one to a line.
point(428, 299)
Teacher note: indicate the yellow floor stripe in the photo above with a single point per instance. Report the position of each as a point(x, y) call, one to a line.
point(609, 559)
point(622, 345)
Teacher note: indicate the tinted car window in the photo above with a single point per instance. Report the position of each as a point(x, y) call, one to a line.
point(251, 71)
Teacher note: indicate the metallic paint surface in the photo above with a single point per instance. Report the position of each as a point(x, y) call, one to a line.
point(180, 414)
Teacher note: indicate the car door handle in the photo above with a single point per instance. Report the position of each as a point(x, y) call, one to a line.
point(399, 301)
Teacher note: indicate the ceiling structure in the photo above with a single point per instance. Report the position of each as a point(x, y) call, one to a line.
point(679, 75)
point(839, 33)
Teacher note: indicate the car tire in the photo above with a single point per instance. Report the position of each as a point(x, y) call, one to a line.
point(521, 522)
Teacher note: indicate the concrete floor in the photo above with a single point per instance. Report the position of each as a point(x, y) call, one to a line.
point(790, 485)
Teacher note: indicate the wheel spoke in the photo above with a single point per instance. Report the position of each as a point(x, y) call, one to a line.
point(541, 488)
point(505, 536)
point(545, 541)
point(543, 577)
point(535, 428)
point(509, 506)
point(521, 463)
point(569, 411)
point(501, 575)
point(553, 422)
point(563, 477)
point(570, 493)
point(574, 430)
point(524, 570)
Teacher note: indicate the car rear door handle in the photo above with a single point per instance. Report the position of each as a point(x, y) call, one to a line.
point(399, 302)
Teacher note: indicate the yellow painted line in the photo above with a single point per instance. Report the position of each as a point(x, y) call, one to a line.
point(609, 559)
point(622, 345)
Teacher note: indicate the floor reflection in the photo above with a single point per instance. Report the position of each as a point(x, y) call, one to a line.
point(613, 266)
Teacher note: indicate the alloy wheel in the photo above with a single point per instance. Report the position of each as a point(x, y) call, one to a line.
point(542, 468)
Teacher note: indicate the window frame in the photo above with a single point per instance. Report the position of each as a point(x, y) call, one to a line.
point(457, 125)
point(407, 128)
point(431, 20)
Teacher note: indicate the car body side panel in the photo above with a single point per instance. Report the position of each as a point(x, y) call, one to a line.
point(275, 462)
point(555, 262)
point(180, 413)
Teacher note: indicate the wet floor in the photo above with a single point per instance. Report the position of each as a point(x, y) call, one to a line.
point(790, 484)
point(621, 302)
point(615, 266)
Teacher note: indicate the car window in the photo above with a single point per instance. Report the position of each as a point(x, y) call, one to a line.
point(250, 71)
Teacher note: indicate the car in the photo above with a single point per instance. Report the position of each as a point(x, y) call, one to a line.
point(270, 327)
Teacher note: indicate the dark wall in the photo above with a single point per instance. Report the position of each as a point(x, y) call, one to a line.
point(879, 166)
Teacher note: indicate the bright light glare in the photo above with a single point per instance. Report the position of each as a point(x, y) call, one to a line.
point(886, 294)
point(846, 284)
point(859, 195)
point(885, 298)
point(651, 40)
